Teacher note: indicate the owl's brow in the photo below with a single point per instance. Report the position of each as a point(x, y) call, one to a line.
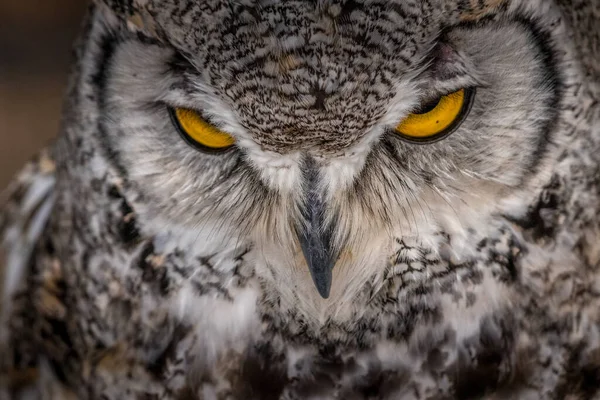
point(181, 63)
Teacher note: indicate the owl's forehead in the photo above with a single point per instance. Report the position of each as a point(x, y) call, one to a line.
point(387, 26)
point(224, 37)
point(303, 68)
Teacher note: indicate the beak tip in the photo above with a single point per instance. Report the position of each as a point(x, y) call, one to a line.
point(322, 278)
point(320, 261)
point(323, 287)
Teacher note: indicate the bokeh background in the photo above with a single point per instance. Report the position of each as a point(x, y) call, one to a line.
point(36, 37)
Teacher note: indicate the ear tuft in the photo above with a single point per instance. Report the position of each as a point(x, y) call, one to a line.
point(133, 14)
point(119, 8)
point(478, 9)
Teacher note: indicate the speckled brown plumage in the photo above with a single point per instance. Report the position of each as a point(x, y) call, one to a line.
point(139, 268)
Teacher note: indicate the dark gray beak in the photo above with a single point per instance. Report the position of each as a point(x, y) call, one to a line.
point(314, 234)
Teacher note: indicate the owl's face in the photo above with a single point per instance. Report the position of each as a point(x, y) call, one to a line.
point(323, 132)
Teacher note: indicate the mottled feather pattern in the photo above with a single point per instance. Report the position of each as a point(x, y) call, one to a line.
point(139, 268)
point(25, 207)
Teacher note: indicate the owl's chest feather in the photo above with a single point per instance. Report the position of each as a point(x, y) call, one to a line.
point(209, 326)
point(120, 313)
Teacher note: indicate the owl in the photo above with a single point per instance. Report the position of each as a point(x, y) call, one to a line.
point(313, 199)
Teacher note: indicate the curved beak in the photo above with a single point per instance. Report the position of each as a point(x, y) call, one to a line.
point(314, 233)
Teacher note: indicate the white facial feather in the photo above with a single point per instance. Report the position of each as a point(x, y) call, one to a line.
point(375, 193)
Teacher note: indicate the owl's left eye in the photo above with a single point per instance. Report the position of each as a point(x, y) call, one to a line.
point(437, 119)
point(198, 132)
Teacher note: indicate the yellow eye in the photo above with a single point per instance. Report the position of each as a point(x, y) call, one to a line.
point(437, 119)
point(198, 132)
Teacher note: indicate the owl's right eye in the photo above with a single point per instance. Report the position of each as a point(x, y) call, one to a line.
point(198, 132)
point(437, 119)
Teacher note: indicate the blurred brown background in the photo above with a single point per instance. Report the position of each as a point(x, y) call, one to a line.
point(35, 50)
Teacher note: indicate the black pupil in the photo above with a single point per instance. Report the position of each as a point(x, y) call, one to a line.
point(427, 107)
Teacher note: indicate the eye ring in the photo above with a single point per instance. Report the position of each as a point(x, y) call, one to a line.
point(467, 104)
point(175, 120)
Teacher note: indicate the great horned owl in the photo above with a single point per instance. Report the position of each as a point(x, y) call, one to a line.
point(314, 199)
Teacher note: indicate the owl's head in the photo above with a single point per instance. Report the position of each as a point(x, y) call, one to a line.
point(324, 132)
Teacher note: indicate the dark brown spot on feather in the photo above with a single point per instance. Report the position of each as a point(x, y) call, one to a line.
point(262, 375)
